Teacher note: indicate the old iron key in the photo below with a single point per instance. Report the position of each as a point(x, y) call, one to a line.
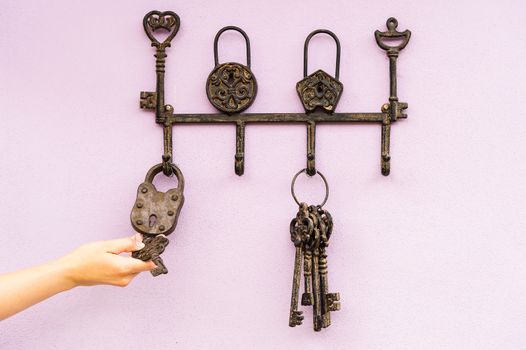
point(300, 228)
point(306, 297)
point(330, 301)
point(153, 248)
point(319, 227)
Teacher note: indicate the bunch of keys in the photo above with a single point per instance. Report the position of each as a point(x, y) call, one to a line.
point(310, 232)
point(155, 215)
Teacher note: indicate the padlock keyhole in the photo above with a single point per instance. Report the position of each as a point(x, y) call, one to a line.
point(153, 220)
point(230, 79)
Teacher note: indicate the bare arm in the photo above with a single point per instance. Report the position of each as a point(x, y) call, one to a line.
point(91, 264)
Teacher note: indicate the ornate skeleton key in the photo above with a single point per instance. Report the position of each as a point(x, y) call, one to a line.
point(154, 247)
point(300, 228)
point(314, 244)
point(318, 296)
point(330, 301)
point(306, 297)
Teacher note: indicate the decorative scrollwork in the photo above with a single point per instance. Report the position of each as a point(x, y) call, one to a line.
point(155, 20)
point(231, 87)
point(319, 90)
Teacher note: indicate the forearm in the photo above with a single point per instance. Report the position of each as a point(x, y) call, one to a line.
point(88, 265)
point(21, 289)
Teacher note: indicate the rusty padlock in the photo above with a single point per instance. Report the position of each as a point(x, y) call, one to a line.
point(156, 212)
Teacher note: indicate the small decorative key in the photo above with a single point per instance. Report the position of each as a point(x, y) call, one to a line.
point(155, 215)
point(310, 231)
point(153, 248)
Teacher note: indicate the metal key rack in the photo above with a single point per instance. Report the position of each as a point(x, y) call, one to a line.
point(232, 87)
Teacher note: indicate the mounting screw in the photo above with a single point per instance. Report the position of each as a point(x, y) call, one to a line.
point(161, 228)
point(144, 190)
point(170, 213)
point(385, 107)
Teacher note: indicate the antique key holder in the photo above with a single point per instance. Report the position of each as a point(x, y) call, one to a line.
point(231, 88)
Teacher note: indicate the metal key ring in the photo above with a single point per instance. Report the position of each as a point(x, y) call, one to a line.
point(324, 181)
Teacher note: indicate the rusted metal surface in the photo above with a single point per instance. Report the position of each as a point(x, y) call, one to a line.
point(232, 88)
point(155, 214)
point(310, 232)
point(394, 108)
point(320, 89)
point(154, 246)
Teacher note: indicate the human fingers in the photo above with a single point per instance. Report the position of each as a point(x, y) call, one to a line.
point(123, 245)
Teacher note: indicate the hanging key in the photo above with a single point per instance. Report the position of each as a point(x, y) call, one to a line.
point(306, 297)
point(330, 301)
point(300, 228)
point(315, 260)
point(314, 246)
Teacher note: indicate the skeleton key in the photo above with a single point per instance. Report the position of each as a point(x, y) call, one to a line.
point(300, 228)
point(330, 301)
point(306, 297)
point(316, 291)
point(319, 292)
point(153, 247)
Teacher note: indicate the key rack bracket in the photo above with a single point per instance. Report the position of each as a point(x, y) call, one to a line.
point(319, 93)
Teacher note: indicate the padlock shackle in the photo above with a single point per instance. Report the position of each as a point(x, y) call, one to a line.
point(237, 29)
point(158, 168)
point(306, 50)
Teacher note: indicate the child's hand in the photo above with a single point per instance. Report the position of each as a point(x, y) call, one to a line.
point(100, 263)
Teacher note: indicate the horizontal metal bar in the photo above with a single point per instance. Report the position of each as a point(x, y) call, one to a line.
point(278, 118)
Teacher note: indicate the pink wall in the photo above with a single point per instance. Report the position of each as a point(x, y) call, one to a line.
point(431, 257)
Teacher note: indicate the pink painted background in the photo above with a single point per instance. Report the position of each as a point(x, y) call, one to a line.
point(431, 257)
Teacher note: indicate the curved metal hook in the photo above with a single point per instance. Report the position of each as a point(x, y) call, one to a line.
point(237, 29)
point(306, 50)
point(166, 20)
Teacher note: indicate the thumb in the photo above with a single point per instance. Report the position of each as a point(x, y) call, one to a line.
point(124, 245)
